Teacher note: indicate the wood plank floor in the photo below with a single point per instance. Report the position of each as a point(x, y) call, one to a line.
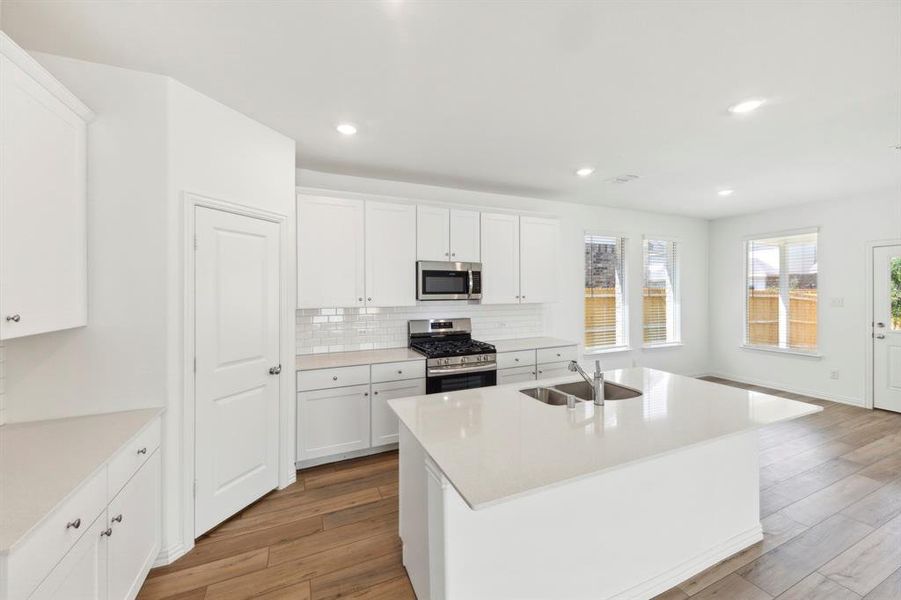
point(830, 504)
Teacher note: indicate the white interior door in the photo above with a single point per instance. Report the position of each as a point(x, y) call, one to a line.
point(887, 327)
point(236, 274)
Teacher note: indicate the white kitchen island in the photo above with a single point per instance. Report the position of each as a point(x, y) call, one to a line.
point(505, 497)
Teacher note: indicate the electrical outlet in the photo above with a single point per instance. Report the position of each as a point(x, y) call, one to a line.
point(833, 374)
point(837, 302)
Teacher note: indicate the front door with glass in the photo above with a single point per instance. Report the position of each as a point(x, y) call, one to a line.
point(887, 327)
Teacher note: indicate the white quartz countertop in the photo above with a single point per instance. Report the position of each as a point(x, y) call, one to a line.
point(43, 462)
point(494, 443)
point(311, 362)
point(529, 343)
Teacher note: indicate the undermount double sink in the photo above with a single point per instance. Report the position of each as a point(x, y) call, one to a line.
point(556, 395)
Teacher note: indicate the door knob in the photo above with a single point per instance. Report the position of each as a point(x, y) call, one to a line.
point(14, 318)
point(275, 370)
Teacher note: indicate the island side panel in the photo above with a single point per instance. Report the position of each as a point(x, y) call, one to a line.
point(628, 533)
point(413, 496)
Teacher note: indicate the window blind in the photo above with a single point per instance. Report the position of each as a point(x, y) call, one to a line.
point(605, 307)
point(661, 310)
point(781, 301)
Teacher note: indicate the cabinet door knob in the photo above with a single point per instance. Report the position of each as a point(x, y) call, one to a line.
point(365, 393)
point(453, 254)
point(375, 393)
point(142, 450)
point(359, 299)
point(106, 532)
point(14, 318)
point(74, 524)
point(445, 254)
point(117, 518)
point(369, 299)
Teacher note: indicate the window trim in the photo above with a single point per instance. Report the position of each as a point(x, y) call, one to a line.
point(626, 343)
point(745, 345)
point(677, 291)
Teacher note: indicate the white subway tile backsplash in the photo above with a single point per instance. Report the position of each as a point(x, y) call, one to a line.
point(342, 329)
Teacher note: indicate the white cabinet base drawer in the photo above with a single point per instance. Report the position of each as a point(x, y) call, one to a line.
point(561, 354)
point(397, 371)
point(522, 358)
point(31, 562)
point(322, 379)
point(135, 453)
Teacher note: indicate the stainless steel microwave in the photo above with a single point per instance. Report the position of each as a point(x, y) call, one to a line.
point(448, 280)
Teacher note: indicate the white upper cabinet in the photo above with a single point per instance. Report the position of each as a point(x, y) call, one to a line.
point(464, 236)
point(390, 254)
point(432, 233)
point(500, 258)
point(330, 252)
point(447, 234)
point(43, 247)
point(539, 242)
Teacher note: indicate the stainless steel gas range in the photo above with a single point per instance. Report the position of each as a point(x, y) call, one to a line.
point(455, 361)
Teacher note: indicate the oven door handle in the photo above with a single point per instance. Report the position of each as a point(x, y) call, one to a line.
point(437, 371)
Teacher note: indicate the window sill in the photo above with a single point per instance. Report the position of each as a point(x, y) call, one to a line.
point(613, 350)
point(666, 345)
point(788, 351)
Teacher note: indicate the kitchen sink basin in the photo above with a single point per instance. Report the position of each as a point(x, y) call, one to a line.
point(582, 391)
point(546, 395)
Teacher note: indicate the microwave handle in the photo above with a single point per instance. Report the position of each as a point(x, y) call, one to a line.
point(469, 290)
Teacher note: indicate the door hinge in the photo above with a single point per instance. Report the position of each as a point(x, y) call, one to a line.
point(196, 244)
point(195, 488)
point(195, 364)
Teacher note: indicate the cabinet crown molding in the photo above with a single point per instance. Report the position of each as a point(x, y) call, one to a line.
point(22, 59)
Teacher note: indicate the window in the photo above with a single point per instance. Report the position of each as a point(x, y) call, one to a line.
point(605, 305)
point(661, 293)
point(781, 300)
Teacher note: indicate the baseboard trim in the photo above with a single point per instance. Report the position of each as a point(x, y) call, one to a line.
point(850, 400)
point(322, 460)
point(692, 566)
point(169, 555)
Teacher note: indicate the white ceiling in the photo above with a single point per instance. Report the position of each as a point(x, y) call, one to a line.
point(512, 97)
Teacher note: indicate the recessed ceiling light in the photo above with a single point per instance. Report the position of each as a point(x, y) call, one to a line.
point(585, 171)
point(346, 128)
point(726, 192)
point(746, 106)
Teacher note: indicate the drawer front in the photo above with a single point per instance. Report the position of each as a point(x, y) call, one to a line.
point(549, 370)
point(398, 371)
point(516, 375)
point(31, 562)
point(522, 358)
point(323, 379)
point(561, 354)
point(130, 458)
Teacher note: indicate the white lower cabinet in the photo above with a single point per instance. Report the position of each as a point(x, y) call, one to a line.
point(515, 375)
point(549, 370)
point(82, 573)
point(332, 421)
point(384, 421)
point(99, 544)
point(134, 531)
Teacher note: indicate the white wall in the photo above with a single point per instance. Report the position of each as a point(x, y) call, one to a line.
point(565, 318)
point(845, 228)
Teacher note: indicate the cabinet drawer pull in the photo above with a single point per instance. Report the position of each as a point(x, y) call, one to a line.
point(117, 518)
point(106, 532)
point(516, 360)
point(558, 354)
point(142, 450)
point(400, 372)
point(14, 318)
point(375, 393)
point(335, 378)
point(74, 524)
point(365, 393)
